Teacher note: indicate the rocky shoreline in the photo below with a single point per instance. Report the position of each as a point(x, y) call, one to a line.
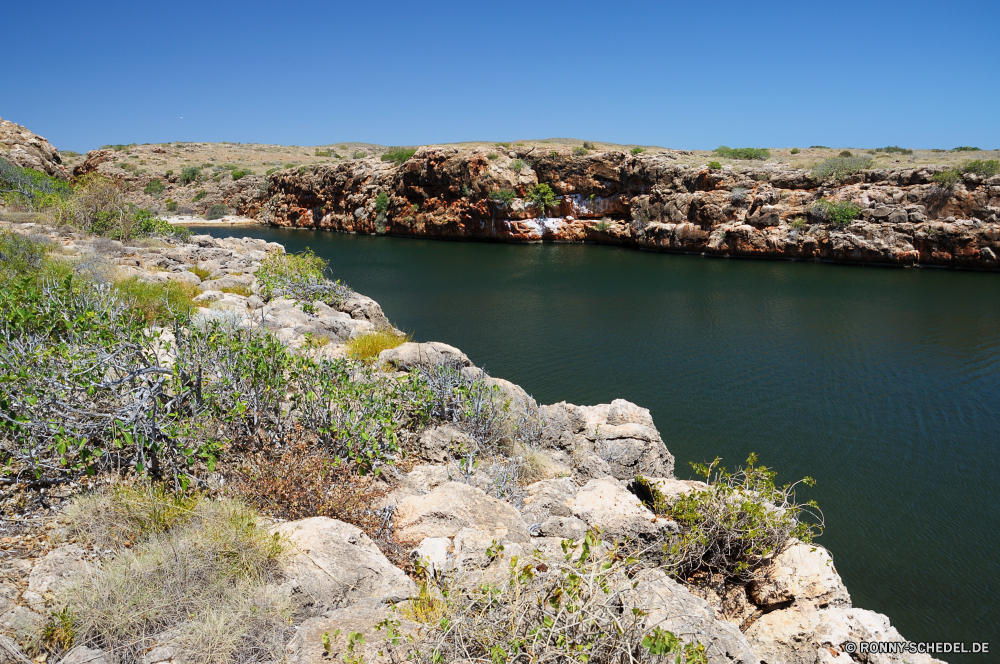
point(797, 611)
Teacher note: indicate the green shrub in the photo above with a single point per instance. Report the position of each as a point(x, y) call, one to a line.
point(190, 174)
point(300, 276)
point(542, 197)
point(169, 173)
point(839, 213)
point(201, 273)
point(579, 151)
point(18, 255)
point(795, 151)
point(155, 187)
point(735, 525)
point(714, 166)
point(982, 167)
point(503, 145)
point(749, 154)
point(553, 154)
point(326, 153)
point(637, 150)
point(493, 156)
point(603, 225)
point(398, 155)
point(357, 154)
point(894, 149)
point(947, 179)
point(798, 224)
point(965, 148)
point(30, 188)
point(516, 165)
point(240, 173)
point(845, 154)
point(171, 205)
point(200, 194)
point(840, 168)
point(818, 147)
point(217, 211)
point(587, 145)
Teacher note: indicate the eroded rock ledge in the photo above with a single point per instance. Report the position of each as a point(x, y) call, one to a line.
point(646, 201)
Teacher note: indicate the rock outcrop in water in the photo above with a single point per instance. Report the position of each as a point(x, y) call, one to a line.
point(648, 201)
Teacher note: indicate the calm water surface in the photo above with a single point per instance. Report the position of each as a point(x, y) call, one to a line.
point(883, 384)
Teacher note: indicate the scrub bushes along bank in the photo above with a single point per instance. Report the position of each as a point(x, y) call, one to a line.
point(95, 204)
point(88, 385)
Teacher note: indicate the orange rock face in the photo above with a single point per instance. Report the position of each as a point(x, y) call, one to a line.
point(900, 216)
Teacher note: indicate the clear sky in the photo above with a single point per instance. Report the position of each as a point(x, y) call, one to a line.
point(676, 74)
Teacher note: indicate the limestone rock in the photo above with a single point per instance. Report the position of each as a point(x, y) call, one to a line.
point(805, 573)
point(434, 555)
point(29, 150)
point(56, 571)
point(807, 635)
point(606, 504)
point(334, 564)
point(85, 655)
point(439, 444)
point(671, 607)
point(411, 355)
point(452, 506)
point(617, 439)
point(548, 498)
point(306, 647)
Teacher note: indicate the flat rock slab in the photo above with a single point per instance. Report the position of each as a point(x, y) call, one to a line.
point(453, 506)
point(334, 564)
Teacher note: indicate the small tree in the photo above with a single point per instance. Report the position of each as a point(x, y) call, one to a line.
point(542, 196)
point(381, 208)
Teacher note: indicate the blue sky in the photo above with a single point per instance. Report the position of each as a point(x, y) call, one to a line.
point(678, 74)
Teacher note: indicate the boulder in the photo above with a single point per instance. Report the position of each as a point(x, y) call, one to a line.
point(228, 281)
point(334, 564)
point(85, 655)
point(439, 444)
point(671, 607)
point(452, 506)
point(617, 439)
point(184, 277)
point(354, 636)
point(410, 355)
point(805, 573)
point(606, 504)
point(434, 554)
point(29, 150)
point(548, 498)
point(807, 635)
point(56, 571)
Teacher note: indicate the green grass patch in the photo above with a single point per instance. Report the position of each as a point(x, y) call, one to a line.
point(367, 346)
point(159, 302)
point(839, 213)
point(398, 155)
point(239, 289)
point(155, 187)
point(201, 273)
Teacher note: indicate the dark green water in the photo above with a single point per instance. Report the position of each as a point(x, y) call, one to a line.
point(883, 384)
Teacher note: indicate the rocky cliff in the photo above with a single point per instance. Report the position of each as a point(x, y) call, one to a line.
point(648, 201)
point(23, 147)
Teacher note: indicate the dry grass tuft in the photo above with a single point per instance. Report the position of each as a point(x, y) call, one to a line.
point(239, 289)
point(367, 346)
point(199, 570)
